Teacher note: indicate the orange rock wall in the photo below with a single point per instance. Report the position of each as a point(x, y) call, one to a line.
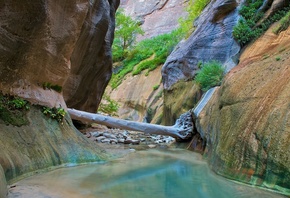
point(246, 123)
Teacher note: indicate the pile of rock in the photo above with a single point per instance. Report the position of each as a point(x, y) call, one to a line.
point(115, 136)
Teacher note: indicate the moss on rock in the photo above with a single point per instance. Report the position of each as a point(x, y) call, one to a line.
point(42, 144)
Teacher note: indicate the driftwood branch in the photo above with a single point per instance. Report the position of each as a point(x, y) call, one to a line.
point(182, 129)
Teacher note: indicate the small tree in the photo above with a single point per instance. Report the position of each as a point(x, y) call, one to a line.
point(125, 34)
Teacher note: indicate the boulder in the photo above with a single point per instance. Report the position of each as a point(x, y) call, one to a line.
point(211, 40)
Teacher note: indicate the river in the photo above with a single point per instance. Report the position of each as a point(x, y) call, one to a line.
point(172, 173)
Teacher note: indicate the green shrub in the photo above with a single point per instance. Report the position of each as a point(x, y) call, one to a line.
point(48, 85)
point(147, 54)
point(54, 113)
point(247, 29)
point(155, 87)
point(13, 110)
point(210, 75)
point(108, 106)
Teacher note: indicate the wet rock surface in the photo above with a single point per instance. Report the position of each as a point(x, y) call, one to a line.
point(246, 123)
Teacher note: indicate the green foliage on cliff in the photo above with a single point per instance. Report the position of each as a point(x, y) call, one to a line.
point(283, 24)
point(54, 113)
point(147, 54)
point(13, 110)
point(125, 34)
point(194, 9)
point(248, 28)
point(108, 105)
point(159, 47)
point(210, 75)
point(47, 85)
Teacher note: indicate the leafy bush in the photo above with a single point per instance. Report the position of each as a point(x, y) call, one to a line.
point(54, 113)
point(247, 29)
point(210, 75)
point(13, 110)
point(155, 87)
point(147, 54)
point(48, 85)
point(109, 106)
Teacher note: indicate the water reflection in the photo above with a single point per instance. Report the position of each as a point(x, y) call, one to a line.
point(151, 173)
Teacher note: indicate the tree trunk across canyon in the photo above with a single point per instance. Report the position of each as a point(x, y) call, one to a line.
point(182, 129)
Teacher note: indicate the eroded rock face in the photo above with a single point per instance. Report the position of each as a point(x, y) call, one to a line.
point(136, 95)
point(49, 41)
point(157, 16)
point(181, 97)
point(91, 60)
point(63, 43)
point(246, 124)
point(42, 144)
point(211, 40)
point(37, 39)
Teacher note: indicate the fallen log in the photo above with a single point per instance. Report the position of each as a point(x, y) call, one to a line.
point(182, 129)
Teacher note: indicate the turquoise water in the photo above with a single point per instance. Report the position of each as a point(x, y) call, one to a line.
point(150, 174)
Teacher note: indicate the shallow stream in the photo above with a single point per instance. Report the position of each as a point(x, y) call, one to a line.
point(174, 173)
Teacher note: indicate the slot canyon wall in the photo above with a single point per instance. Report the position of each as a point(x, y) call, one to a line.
point(59, 43)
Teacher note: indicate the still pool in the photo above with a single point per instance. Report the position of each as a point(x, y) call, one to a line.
point(172, 173)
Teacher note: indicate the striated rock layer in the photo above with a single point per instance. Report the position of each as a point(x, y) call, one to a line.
point(43, 44)
point(136, 95)
point(91, 60)
point(246, 124)
point(63, 43)
point(157, 16)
